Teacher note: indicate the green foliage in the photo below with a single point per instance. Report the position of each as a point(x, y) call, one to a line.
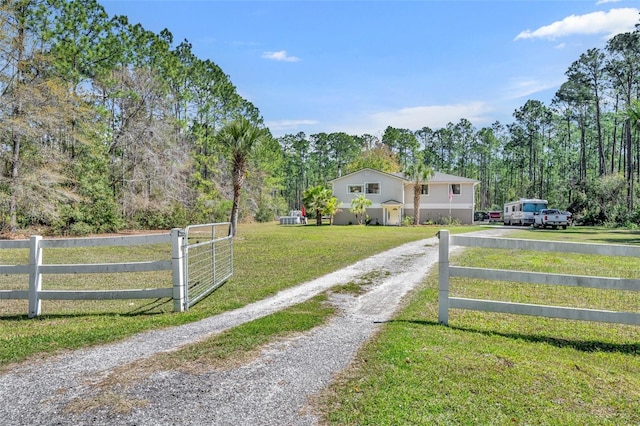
point(418, 173)
point(270, 207)
point(110, 116)
point(265, 211)
point(320, 201)
point(98, 206)
point(633, 114)
point(445, 220)
point(80, 229)
point(239, 139)
point(222, 210)
point(403, 142)
point(70, 215)
point(177, 216)
point(379, 157)
point(359, 207)
point(601, 201)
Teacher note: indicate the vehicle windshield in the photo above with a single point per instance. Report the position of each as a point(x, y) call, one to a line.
point(533, 207)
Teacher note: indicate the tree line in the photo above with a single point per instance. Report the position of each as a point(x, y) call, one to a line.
point(107, 125)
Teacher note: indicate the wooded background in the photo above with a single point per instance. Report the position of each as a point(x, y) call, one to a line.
point(106, 125)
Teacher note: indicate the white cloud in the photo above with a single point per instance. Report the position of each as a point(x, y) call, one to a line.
point(280, 55)
point(523, 87)
point(433, 116)
point(281, 126)
point(607, 1)
point(610, 23)
point(412, 118)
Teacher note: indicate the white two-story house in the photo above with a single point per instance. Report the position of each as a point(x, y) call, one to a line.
point(443, 196)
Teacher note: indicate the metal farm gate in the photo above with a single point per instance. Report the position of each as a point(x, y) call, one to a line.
point(208, 251)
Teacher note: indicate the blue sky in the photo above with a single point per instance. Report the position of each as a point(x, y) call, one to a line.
point(360, 66)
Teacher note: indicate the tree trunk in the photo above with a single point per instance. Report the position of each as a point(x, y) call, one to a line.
point(629, 166)
point(417, 189)
point(17, 112)
point(237, 187)
point(13, 201)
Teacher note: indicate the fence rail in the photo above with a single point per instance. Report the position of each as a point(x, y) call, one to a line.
point(445, 271)
point(178, 266)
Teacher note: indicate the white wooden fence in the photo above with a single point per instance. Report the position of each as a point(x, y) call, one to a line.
point(445, 302)
point(36, 269)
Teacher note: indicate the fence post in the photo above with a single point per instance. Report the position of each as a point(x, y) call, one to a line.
point(213, 256)
point(35, 278)
point(443, 277)
point(177, 261)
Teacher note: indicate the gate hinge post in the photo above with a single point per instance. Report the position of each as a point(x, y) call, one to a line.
point(178, 268)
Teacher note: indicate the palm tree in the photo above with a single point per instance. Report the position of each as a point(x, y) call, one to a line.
point(359, 207)
point(417, 173)
point(239, 139)
point(318, 199)
point(332, 209)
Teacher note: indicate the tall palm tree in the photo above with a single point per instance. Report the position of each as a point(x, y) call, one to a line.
point(418, 173)
point(239, 139)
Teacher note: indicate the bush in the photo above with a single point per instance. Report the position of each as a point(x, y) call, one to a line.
point(407, 221)
point(264, 214)
point(80, 229)
point(176, 217)
point(444, 220)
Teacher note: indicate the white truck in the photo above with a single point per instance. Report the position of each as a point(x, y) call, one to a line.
point(550, 217)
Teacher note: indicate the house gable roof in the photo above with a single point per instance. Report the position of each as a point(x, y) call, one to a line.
point(437, 177)
point(393, 175)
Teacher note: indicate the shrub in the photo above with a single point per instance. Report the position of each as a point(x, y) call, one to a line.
point(264, 213)
point(80, 229)
point(175, 217)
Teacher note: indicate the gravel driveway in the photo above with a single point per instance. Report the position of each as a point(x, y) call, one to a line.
point(271, 390)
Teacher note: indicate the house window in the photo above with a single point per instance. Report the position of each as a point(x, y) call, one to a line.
point(455, 188)
point(424, 190)
point(373, 188)
point(354, 189)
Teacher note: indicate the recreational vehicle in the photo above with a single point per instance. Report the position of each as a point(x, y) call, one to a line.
point(521, 212)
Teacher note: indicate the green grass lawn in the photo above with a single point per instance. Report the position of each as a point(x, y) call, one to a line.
point(502, 369)
point(267, 259)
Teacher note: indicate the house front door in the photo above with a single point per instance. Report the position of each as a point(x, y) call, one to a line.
point(393, 216)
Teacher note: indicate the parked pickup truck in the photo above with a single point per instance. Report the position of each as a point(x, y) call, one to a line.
point(550, 217)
